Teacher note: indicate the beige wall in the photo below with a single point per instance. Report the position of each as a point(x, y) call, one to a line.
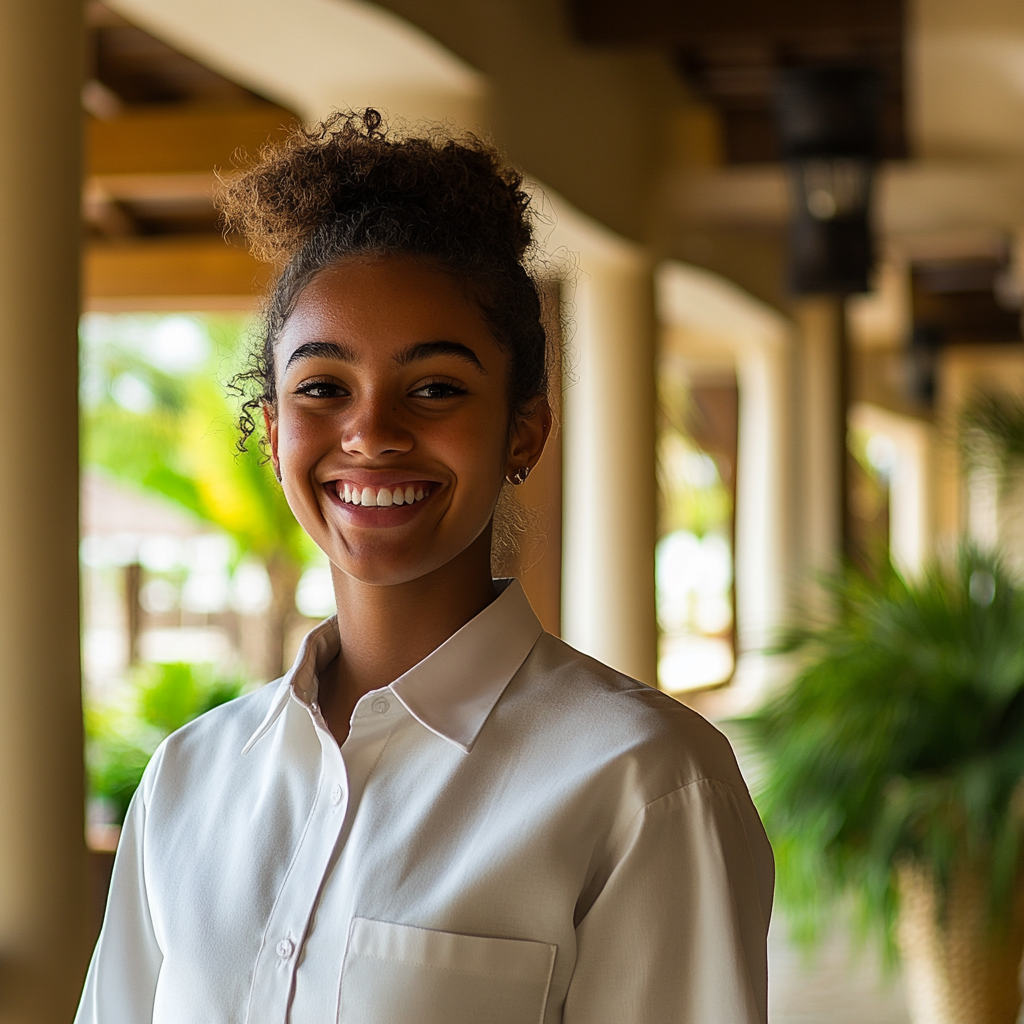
point(590, 122)
point(965, 78)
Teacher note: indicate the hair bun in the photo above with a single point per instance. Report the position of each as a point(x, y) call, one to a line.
point(452, 192)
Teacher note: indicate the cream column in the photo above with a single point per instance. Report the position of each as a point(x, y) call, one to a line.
point(43, 891)
point(822, 433)
point(764, 506)
point(610, 486)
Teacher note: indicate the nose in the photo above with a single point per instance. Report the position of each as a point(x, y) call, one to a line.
point(374, 428)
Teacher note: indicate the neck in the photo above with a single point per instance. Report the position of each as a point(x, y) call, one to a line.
point(386, 630)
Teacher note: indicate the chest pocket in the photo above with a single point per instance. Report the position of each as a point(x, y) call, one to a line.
point(396, 974)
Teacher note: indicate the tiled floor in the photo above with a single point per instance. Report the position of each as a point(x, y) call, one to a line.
point(833, 988)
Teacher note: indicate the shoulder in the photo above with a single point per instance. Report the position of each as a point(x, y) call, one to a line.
point(213, 741)
point(621, 726)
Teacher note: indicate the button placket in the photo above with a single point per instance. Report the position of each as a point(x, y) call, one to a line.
point(297, 899)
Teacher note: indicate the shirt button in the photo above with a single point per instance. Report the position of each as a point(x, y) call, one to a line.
point(285, 948)
point(381, 705)
point(336, 795)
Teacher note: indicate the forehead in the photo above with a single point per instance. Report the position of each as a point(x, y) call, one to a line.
point(378, 305)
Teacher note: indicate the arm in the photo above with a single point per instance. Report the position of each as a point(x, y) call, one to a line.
point(678, 932)
point(121, 983)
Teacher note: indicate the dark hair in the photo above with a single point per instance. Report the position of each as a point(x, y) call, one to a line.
point(351, 186)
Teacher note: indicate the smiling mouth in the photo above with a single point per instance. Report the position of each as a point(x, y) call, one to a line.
point(382, 497)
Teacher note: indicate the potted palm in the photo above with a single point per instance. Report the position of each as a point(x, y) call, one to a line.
point(891, 772)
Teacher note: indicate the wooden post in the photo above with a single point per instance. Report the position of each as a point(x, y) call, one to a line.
point(823, 389)
point(43, 874)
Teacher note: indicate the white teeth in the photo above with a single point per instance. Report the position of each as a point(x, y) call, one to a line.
point(383, 497)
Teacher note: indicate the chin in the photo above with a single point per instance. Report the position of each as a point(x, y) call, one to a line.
point(381, 573)
point(386, 565)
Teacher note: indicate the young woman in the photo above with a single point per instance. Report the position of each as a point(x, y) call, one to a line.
point(441, 814)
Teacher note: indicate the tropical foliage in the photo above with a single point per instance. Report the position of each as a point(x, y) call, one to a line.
point(901, 738)
point(157, 415)
point(121, 740)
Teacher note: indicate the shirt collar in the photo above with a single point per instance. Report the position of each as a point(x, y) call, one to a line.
point(452, 690)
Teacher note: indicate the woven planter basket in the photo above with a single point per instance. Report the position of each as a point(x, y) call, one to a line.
point(956, 968)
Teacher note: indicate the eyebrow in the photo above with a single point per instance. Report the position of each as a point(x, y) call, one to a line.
point(427, 349)
point(328, 349)
point(421, 350)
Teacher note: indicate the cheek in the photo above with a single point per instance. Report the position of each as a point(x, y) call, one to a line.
point(301, 439)
point(475, 449)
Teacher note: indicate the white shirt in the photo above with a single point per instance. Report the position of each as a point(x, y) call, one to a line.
point(512, 833)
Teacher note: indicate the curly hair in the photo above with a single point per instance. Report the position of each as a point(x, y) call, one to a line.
point(352, 186)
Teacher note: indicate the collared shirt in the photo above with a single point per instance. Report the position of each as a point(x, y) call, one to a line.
point(512, 833)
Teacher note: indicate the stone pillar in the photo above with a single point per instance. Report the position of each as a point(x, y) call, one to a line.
point(765, 505)
point(610, 486)
point(43, 894)
point(822, 432)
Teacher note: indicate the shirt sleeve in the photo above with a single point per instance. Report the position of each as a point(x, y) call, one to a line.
point(678, 932)
point(121, 984)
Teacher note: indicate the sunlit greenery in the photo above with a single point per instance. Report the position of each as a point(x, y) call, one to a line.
point(692, 493)
point(121, 739)
point(158, 415)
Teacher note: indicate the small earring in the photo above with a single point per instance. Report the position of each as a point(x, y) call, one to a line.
point(519, 476)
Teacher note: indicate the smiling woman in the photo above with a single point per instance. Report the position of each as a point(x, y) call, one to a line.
point(389, 380)
point(440, 813)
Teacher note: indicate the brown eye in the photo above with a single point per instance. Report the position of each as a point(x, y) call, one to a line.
point(320, 389)
point(438, 390)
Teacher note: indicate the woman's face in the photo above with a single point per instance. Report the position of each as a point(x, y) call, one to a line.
point(391, 434)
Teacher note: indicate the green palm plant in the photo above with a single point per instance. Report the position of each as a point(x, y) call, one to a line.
point(992, 431)
point(900, 741)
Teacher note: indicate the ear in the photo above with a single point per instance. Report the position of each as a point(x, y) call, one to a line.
point(530, 431)
point(270, 421)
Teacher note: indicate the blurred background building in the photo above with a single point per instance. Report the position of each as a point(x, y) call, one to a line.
point(788, 241)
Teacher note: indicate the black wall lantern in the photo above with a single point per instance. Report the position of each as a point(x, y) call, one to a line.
point(828, 129)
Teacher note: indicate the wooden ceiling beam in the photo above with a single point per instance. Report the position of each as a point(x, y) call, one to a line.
point(174, 272)
point(136, 187)
point(675, 22)
point(180, 140)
